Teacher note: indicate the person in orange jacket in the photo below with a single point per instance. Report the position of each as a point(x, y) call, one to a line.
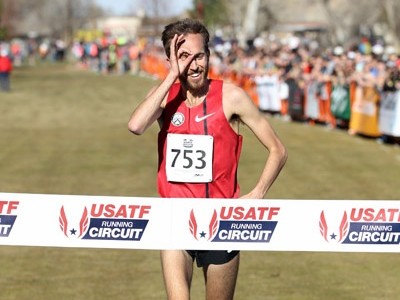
point(5, 70)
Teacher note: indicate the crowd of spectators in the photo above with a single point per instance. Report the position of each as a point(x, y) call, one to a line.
point(108, 55)
point(353, 89)
point(293, 78)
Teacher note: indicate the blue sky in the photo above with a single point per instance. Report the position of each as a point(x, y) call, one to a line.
point(174, 7)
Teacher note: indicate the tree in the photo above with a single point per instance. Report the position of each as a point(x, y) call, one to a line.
point(53, 18)
point(346, 18)
point(391, 9)
point(250, 20)
point(156, 8)
point(7, 15)
point(211, 12)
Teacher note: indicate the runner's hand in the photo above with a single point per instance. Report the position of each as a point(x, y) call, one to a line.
point(180, 58)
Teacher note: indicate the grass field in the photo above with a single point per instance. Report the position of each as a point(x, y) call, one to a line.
point(64, 131)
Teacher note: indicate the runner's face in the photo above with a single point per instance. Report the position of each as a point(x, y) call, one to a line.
point(194, 77)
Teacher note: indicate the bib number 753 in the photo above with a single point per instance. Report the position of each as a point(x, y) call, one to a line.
point(189, 158)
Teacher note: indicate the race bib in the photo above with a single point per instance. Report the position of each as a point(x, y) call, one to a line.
point(189, 157)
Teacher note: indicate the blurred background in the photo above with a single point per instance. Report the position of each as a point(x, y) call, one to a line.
point(329, 62)
point(326, 73)
point(333, 22)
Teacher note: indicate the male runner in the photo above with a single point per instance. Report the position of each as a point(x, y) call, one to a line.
point(204, 114)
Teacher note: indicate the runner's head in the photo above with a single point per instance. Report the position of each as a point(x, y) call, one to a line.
point(185, 26)
point(193, 46)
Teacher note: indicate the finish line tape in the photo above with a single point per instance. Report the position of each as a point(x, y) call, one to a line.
point(202, 224)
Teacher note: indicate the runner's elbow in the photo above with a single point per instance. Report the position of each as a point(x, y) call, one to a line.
point(282, 152)
point(285, 154)
point(135, 127)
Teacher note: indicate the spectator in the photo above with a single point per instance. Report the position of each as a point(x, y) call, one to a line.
point(5, 70)
point(267, 81)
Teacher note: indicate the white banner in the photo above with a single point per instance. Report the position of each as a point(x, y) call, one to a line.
point(389, 114)
point(202, 224)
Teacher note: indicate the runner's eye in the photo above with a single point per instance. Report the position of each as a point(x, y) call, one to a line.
point(200, 56)
point(184, 56)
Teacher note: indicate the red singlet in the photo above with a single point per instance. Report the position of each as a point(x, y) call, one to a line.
point(207, 118)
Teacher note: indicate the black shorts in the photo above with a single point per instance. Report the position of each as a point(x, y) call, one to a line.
point(206, 257)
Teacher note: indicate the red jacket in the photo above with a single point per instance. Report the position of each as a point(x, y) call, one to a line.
point(5, 64)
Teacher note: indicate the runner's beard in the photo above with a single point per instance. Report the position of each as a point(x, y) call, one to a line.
point(195, 87)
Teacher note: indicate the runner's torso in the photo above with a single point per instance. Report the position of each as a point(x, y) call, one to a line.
point(198, 149)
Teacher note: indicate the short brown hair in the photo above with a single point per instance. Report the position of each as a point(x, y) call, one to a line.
point(184, 26)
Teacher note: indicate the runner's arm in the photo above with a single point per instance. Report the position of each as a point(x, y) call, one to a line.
point(243, 106)
point(150, 109)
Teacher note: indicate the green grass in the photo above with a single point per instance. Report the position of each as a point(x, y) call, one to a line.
point(64, 131)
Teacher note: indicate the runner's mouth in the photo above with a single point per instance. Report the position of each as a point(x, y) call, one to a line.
point(194, 75)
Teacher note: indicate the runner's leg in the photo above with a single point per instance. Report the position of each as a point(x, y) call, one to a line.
point(221, 280)
point(177, 267)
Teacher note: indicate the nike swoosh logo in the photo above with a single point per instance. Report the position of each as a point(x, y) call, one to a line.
point(199, 119)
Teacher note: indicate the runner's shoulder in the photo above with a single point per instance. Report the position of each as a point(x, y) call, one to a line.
point(234, 94)
point(232, 91)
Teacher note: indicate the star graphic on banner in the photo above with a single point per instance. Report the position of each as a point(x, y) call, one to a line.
point(73, 231)
point(333, 236)
point(202, 234)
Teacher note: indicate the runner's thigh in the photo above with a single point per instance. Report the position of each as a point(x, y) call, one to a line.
point(221, 279)
point(177, 266)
